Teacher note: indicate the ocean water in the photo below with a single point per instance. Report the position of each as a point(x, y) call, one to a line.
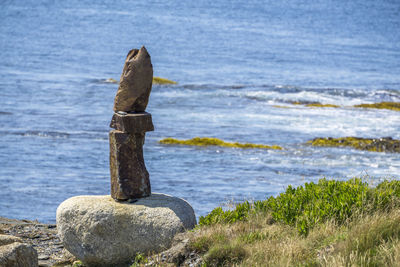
point(235, 62)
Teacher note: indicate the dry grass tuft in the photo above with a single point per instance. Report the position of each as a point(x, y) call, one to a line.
point(368, 240)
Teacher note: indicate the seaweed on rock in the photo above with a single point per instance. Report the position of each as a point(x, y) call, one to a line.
point(319, 105)
point(206, 141)
point(381, 105)
point(385, 144)
point(314, 104)
point(158, 80)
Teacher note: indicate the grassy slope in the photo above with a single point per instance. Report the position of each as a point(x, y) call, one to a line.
point(330, 223)
point(370, 240)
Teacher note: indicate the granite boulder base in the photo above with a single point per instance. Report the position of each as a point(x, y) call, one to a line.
point(103, 232)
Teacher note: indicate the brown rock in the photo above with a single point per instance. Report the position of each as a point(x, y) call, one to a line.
point(18, 255)
point(8, 239)
point(132, 122)
point(135, 83)
point(129, 177)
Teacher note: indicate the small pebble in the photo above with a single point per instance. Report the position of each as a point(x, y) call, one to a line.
point(43, 257)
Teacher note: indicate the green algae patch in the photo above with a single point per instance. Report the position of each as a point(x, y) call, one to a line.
point(386, 144)
point(319, 105)
point(158, 80)
point(314, 104)
point(382, 105)
point(206, 141)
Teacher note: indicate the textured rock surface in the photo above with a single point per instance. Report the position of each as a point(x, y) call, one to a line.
point(129, 176)
point(180, 254)
point(103, 232)
point(42, 237)
point(132, 122)
point(17, 254)
point(135, 83)
point(8, 239)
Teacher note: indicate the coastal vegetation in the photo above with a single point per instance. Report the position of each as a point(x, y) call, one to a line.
point(207, 141)
point(328, 223)
point(386, 144)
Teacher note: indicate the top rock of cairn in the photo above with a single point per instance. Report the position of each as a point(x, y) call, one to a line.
point(135, 83)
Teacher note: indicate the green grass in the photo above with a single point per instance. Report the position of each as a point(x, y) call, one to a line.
point(306, 206)
point(139, 260)
point(329, 223)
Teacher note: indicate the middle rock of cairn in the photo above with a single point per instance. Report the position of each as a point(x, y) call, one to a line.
point(129, 177)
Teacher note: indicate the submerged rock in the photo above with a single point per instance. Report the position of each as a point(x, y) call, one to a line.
point(159, 80)
point(206, 141)
point(314, 104)
point(319, 105)
point(110, 80)
point(135, 82)
point(381, 105)
point(386, 144)
point(103, 232)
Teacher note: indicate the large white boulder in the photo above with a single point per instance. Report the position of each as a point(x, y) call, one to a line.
point(103, 232)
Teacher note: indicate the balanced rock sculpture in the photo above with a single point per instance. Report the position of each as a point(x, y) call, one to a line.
point(111, 230)
point(129, 177)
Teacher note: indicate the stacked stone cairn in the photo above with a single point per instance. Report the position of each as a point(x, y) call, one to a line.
point(112, 230)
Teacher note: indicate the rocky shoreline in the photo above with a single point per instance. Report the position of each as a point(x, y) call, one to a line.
point(42, 237)
point(51, 252)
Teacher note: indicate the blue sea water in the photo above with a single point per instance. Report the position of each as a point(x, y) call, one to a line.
point(235, 62)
